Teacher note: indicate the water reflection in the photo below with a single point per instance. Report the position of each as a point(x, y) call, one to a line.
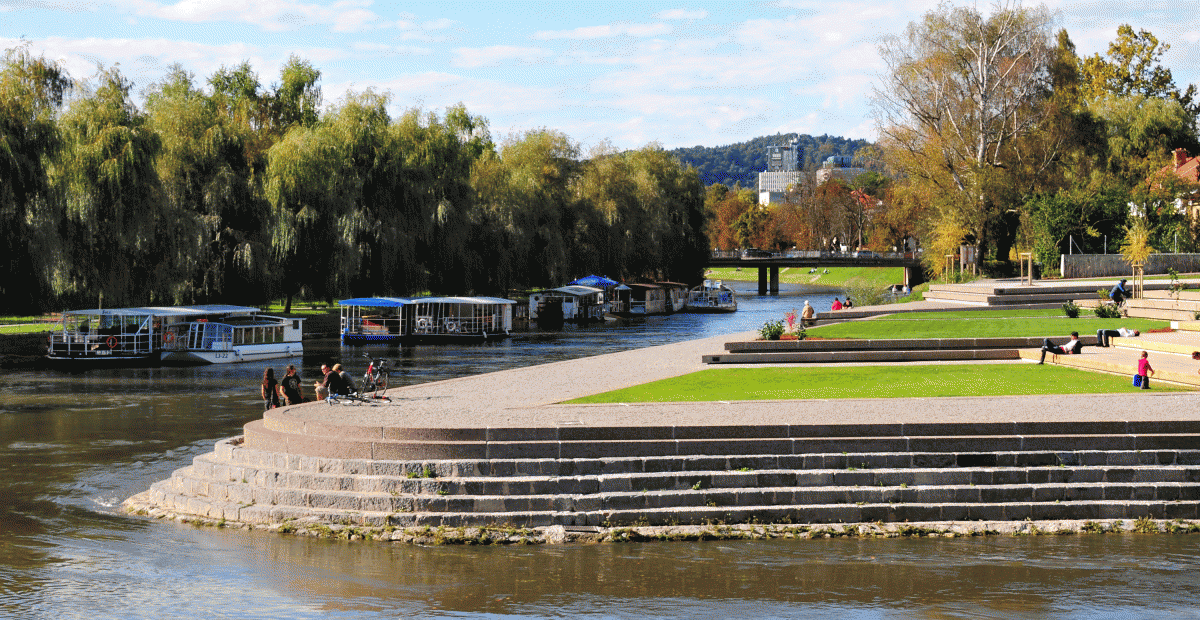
point(73, 446)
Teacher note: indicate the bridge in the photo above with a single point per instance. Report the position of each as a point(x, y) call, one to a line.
point(768, 265)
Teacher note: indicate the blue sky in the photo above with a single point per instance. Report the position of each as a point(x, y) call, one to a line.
point(629, 73)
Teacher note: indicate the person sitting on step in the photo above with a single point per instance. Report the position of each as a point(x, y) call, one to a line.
point(1070, 347)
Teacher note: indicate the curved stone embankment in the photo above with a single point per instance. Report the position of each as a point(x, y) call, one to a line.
point(495, 457)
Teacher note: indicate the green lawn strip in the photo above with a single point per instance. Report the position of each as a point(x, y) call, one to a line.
point(880, 277)
point(31, 328)
point(972, 314)
point(724, 384)
point(978, 328)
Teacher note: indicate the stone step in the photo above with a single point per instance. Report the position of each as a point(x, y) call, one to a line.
point(311, 445)
point(1126, 366)
point(1149, 303)
point(1161, 315)
point(1193, 296)
point(286, 489)
point(770, 513)
point(830, 357)
point(902, 344)
point(1181, 347)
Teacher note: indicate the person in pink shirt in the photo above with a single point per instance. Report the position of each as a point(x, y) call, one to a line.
point(837, 305)
point(1144, 370)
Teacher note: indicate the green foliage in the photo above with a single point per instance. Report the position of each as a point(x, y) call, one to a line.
point(1071, 310)
point(738, 165)
point(771, 330)
point(1131, 68)
point(1107, 311)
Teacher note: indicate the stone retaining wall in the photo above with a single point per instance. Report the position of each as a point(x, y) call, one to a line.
point(1115, 265)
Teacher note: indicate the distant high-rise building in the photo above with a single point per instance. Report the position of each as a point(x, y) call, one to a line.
point(784, 164)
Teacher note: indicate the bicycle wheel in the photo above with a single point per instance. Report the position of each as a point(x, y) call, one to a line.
point(381, 384)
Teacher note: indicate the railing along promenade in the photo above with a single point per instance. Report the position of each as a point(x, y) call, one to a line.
point(768, 266)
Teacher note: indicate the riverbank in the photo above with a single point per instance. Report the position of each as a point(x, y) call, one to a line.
point(478, 456)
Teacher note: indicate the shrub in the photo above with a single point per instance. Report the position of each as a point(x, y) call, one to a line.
point(771, 330)
point(1108, 311)
point(1071, 310)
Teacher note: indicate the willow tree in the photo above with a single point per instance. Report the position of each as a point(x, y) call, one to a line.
point(207, 179)
point(960, 89)
point(116, 220)
point(31, 93)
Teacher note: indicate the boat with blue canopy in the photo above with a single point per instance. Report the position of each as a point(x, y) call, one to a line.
point(425, 319)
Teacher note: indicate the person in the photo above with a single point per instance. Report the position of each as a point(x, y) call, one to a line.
point(270, 389)
point(1119, 293)
point(837, 305)
point(289, 387)
point(346, 379)
point(1144, 370)
point(807, 315)
point(331, 385)
point(849, 304)
point(1104, 336)
point(1070, 347)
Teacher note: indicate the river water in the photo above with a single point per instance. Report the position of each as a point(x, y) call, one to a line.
point(73, 446)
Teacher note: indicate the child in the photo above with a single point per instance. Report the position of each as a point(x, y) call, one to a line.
point(1143, 369)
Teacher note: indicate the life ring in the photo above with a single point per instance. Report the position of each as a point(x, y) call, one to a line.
point(451, 327)
point(422, 324)
point(168, 337)
point(111, 342)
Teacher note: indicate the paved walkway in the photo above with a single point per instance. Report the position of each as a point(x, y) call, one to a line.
point(528, 397)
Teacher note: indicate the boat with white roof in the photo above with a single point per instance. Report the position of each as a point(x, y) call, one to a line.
point(412, 320)
point(149, 336)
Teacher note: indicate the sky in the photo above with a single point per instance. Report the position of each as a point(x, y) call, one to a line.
point(602, 71)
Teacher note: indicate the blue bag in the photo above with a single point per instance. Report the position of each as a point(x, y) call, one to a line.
point(1137, 381)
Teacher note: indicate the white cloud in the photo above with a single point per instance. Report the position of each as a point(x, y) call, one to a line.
point(681, 14)
point(272, 15)
point(496, 55)
point(605, 31)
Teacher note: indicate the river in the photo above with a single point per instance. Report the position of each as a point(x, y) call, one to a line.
point(73, 446)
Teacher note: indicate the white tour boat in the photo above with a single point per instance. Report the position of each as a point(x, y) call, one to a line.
point(411, 320)
point(149, 336)
point(712, 296)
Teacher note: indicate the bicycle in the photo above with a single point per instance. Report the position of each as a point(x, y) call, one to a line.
point(375, 379)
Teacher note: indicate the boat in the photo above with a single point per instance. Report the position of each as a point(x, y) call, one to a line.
point(239, 336)
point(633, 299)
point(712, 296)
point(677, 295)
point(150, 336)
point(567, 304)
point(413, 320)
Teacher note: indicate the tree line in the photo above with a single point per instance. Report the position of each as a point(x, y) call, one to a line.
point(738, 164)
point(235, 191)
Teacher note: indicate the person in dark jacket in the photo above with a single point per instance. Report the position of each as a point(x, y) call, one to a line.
point(1072, 346)
point(1119, 293)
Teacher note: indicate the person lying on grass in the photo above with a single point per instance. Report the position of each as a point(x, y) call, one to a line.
point(1070, 347)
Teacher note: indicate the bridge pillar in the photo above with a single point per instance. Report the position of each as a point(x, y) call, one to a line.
point(913, 275)
point(762, 280)
point(774, 280)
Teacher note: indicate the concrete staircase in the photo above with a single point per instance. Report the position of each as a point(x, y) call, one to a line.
point(900, 350)
point(1170, 355)
point(1042, 294)
point(1006, 471)
point(1157, 304)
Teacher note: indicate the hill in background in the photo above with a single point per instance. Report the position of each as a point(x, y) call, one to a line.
point(740, 163)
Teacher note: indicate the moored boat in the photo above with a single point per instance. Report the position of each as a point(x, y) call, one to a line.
point(634, 299)
point(712, 296)
point(413, 320)
point(149, 336)
point(567, 304)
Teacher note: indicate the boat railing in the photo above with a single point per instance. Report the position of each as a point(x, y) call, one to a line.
point(101, 343)
point(373, 325)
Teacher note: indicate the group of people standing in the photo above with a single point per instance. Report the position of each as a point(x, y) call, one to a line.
point(288, 390)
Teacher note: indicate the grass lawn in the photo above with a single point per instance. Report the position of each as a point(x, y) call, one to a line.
point(977, 327)
point(871, 382)
point(975, 314)
point(877, 277)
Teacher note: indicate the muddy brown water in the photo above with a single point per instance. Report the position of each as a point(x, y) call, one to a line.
point(73, 446)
